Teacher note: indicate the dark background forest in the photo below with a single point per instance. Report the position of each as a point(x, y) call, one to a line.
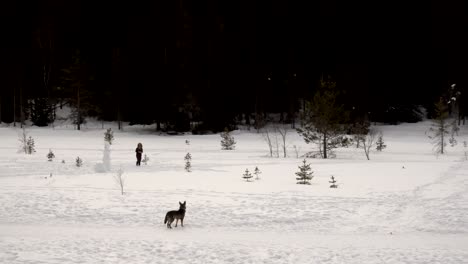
point(219, 62)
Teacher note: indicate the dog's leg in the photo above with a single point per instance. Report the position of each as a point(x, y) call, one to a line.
point(176, 221)
point(182, 222)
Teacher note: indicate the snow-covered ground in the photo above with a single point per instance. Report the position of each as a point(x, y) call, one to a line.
point(405, 205)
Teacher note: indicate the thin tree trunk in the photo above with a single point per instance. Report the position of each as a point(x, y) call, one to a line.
point(14, 106)
point(119, 115)
point(442, 138)
point(21, 105)
point(158, 125)
point(78, 107)
point(324, 145)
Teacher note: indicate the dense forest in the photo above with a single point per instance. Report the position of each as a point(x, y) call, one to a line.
point(221, 63)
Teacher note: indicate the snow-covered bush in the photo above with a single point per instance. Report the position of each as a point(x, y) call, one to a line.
point(79, 162)
point(257, 172)
point(145, 160)
point(106, 160)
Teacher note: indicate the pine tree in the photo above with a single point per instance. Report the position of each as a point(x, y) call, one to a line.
point(323, 119)
point(109, 136)
point(304, 175)
point(441, 128)
point(247, 175)
point(257, 172)
point(76, 79)
point(79, 162)
point(145, 160)
point(188, 164)
point(31, 148)
point(333, 182)
point(40, 111)
point(380, 143)
point(227, 141)
point(50, 155)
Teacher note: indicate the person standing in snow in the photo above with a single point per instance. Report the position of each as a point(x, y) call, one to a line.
point(139, 151)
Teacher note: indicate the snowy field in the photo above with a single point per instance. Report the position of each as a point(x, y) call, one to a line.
point(405, 205)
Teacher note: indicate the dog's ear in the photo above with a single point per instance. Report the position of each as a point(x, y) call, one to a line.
point(184, 202)
point(180, 203)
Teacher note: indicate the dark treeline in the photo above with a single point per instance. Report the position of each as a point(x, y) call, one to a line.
point(171, 62)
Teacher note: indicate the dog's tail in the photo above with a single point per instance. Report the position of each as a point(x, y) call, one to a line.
point(165, 219)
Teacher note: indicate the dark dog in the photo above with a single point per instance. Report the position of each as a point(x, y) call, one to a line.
point(176, 215)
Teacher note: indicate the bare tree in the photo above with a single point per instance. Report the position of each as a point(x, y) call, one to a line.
point(360, 129)
point(23, 139)
point(266, 136)
point(276, 143)
point(283, 131)
point(296, 150)
point(369, 141)
point(120, 180)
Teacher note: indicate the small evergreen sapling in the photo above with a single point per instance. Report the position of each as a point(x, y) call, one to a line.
point(145, 160)
point(50, 155)
point(304, 175)
point(187, 142)
point(227, 141)
point(188, 164)
point(247, 175)
point(257, 172)
point(333, 182)
point(109, 136)
point(79, 162)
point(31, 145)
point(27, 144)
point(380, 143)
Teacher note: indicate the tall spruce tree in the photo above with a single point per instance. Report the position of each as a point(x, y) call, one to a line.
point(76, 79)
point(441, 130)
